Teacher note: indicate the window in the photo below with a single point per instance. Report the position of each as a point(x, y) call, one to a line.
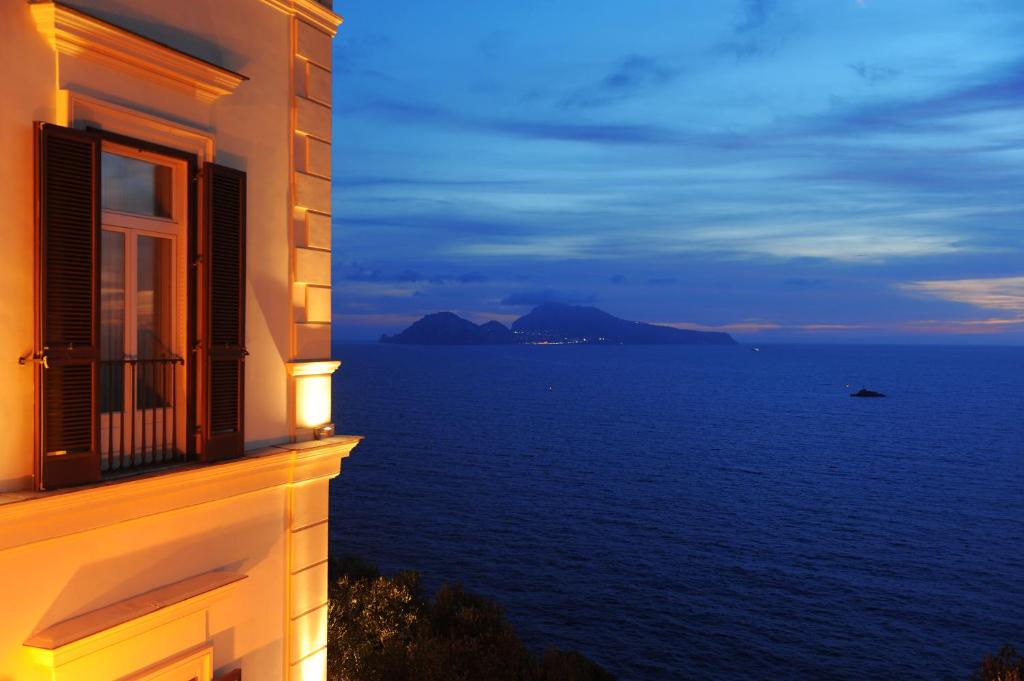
point(141, 340)
point(142, 334)
point(133, 185)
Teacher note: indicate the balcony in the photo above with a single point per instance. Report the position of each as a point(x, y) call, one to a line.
point(141, 425)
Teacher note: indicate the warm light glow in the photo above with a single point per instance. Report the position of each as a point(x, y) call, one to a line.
point(312, 400)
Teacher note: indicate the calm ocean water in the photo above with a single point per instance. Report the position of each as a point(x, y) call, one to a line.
point(702, 513)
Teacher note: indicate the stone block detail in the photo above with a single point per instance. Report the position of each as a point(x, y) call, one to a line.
point(312, 341)
point(312, 266)
point(314, 45)
point(318, 84)
point(318, 230)
point(313, 668)
point(309, 504)
point(318, 157)
point(312, 118)
point(309, 224)
point(312, 192)
point(309, 546)
point(309, 589)
point(309, 633)
point(318, 304)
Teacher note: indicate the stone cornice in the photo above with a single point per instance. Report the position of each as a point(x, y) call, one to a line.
point(76, 33)
point(48, 515)
point(310, 11)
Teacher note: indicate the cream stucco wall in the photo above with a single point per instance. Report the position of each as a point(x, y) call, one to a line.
point(66, 553)
point(27, 93)
point(82, 572)
point(252, 129)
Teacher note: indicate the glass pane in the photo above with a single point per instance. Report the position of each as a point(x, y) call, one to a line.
point(134, 186)
point(154, 318)
point(112, 310)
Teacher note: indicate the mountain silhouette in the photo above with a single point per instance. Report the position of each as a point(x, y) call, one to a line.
point(554, 322)
point(447, 328)
point(551, 323)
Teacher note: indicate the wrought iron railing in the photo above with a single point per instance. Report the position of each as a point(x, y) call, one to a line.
point(139, 423)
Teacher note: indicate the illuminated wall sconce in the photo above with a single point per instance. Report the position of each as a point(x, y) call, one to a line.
point(313, 396)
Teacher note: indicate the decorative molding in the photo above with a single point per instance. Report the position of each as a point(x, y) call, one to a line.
point(75, 108)
point(310, 11)
point(48, 515)
point(75, 33)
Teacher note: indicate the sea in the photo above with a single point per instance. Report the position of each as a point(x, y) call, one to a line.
point(688, 512)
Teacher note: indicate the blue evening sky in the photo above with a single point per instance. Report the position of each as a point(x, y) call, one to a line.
point(815, 170)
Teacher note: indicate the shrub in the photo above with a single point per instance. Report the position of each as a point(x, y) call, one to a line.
point(1006, 665)
point(384, 629)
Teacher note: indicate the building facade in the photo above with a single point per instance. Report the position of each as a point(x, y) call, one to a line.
point(165, 357)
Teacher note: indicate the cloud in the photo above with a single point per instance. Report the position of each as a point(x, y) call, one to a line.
point(842, 240)
point(593, 133)
point(568, 247)
point(756, 14)
point(1003, 293)
point(923, 327)
point(749, 39)
point(632, 75)
point(996, 90)
point(747, 326)
point(409, 112)
point(534, 298)
point(407, 276)
point(872, 74)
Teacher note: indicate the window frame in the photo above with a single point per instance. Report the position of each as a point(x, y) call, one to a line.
point(132, 226)
point(188, 217)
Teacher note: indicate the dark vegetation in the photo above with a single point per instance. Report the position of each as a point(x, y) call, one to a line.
point(1006, 665)
point(386, 629)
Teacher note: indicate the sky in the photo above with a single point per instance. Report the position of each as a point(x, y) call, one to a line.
point(784, 170)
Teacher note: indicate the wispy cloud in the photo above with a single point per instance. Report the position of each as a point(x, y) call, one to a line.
point(749, 36)
point(1004, 293)
point(849, 242)
point(567, 247)
point(357, 273)
point(755, 14)
point(872, 74)
point(633, 75)
point(555, 129)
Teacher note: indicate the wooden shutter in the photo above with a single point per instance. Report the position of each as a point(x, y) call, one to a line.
point(233, 675)
point(224, 312)
point(68, 235)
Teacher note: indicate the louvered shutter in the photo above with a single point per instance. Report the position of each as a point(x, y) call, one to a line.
point(68, 224)
point(224, 302)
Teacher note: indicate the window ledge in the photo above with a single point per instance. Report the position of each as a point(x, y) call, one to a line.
point(84, 634)
point(37, 516)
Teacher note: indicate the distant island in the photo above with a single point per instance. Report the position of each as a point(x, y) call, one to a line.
point(551, 323)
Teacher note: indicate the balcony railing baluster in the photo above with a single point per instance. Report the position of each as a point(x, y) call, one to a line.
point(142, 395)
